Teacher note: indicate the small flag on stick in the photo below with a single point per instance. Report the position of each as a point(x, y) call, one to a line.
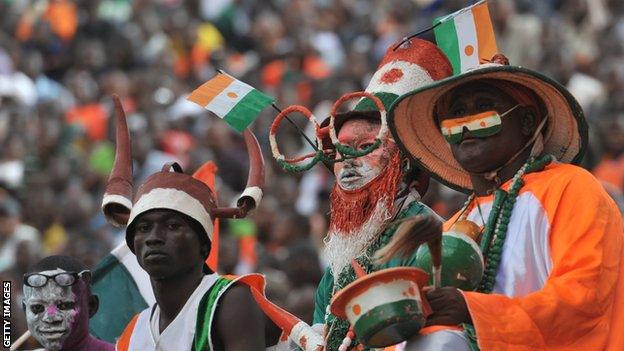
point(466, 37)
point(232, 100)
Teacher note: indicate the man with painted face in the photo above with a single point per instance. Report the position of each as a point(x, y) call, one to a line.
point(551, 237)
point(169, 229)
point(58, 304)
point(374, 189)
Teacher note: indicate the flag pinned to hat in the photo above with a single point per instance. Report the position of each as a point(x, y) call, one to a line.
point(236, 102)
point(466, 37)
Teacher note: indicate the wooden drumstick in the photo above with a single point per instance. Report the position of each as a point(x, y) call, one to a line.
point(435, 248)
point(22, 339)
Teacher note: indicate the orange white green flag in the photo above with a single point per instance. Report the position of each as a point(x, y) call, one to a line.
point(466, 37)
point(237, 103)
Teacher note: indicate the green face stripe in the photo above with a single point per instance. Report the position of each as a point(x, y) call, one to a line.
point(113, 284)
point(446, 38)
point(246, 111)
point(478, 125)
point(202, 339)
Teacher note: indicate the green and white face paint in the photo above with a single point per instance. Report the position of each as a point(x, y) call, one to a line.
point(481, 125)
point(51, 311)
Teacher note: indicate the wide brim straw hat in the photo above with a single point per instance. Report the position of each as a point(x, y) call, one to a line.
point(412, 122)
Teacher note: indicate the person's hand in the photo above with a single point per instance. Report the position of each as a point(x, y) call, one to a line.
point(448, 305)
point(411, 233)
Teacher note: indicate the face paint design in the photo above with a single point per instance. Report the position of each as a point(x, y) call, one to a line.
point(54, 313)
point(355, 173)
point(481, 125)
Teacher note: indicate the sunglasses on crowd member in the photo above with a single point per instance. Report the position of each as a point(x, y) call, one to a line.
point(481, 125)
point(37, 280)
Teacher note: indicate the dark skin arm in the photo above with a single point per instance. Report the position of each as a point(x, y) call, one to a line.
point(448, 305)
point(240, 322)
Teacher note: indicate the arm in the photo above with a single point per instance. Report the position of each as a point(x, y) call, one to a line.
point(240, 322)
point(321, 300)
point(573, 311)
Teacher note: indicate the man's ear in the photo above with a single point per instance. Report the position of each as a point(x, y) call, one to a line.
point(94, 305)
point(528, 123)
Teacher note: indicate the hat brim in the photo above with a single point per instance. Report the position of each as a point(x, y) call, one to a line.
point(411, 122)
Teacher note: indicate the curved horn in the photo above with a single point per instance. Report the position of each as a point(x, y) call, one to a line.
point(251, 196)
point(117, 201)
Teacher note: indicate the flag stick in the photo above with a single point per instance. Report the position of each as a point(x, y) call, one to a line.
point(22, 339)
point(415, 35)
point(314, 146)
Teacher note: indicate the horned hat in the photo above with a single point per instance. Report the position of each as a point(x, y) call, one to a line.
point(171, 188)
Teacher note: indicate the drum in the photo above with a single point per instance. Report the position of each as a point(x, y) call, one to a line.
point(462, 260)
point(385, 307)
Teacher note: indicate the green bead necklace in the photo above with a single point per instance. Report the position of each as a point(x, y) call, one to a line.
point(496, 227)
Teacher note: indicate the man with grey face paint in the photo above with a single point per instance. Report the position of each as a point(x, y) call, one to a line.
point(58, 304)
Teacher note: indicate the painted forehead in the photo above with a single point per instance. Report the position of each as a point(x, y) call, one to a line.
point(357, 129)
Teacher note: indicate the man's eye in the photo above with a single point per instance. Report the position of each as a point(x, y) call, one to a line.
point(174, 226)
point(458, 111)
point(364, 146)
point(484, 106)
point(143, 228)
point(36, 308)
point(67, 305)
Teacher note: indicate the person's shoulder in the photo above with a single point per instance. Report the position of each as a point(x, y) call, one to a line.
point(564, 175)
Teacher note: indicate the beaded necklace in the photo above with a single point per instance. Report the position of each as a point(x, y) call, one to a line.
point(495, 232)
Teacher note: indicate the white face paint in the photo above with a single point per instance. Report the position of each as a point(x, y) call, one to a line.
point(50, 312)
point(355, 175)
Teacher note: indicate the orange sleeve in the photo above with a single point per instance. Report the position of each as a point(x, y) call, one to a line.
point(577, 307)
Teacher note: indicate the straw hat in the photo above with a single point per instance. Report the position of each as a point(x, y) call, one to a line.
point(412, 122)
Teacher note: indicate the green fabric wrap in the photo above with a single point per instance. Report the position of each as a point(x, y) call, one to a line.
point(203, 326)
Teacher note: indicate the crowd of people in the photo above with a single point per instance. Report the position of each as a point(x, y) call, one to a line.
point(61, 60)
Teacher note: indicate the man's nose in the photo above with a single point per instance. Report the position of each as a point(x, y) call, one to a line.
point(52, 315)
point(352, 162)
point(155, 236)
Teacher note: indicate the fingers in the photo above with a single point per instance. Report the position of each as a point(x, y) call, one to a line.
point(435, 319)
point(410, 234)
point(448, 306)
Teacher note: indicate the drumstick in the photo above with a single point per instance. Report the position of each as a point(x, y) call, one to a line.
point(435, 248)
point(22, 339)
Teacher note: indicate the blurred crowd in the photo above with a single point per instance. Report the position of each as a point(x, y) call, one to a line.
point(60, 61)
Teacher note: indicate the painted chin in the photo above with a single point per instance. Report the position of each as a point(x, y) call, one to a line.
point(52, 339)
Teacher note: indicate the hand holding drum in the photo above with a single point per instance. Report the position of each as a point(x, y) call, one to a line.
point(411, 234)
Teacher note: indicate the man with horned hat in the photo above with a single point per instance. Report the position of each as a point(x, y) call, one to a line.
point(169, 229)
point(551, 237)
point(58, 304)
point(376, 184)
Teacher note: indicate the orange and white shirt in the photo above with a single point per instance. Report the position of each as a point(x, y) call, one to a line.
point(560, 283)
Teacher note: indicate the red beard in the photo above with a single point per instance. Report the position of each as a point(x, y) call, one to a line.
point(351, 209)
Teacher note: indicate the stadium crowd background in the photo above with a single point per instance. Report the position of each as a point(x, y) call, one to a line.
point(60, 61)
